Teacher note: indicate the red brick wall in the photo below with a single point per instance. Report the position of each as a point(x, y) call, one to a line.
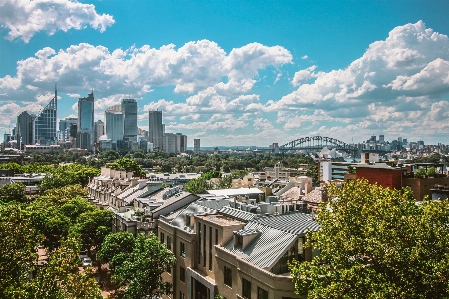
point(389, 178)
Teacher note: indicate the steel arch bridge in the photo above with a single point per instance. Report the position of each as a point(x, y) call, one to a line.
point(317, 143)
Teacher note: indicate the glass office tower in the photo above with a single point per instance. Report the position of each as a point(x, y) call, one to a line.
point(45, 124)
point(85, 129)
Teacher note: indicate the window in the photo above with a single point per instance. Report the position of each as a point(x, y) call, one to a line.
point(199, 243)
point(261, 293)
point(168, 242)
point(246, 289)
point(162, 238)
point(182, 274)
point(182, 249)
point(210, 248)
point(228, 276)
point(181, 295)
point(204, 245)
point(168, 270)
point(216, 236)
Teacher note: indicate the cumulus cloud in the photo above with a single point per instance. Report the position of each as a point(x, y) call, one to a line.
point(304, 75)
point(195, 67)
point(24, 18)
point(401, 65)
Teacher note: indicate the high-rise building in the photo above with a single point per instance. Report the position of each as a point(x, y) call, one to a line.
point(155, 130)
point(85, 130)
point(45, 123)
point(169, 143)
point(98, 130)
point(114, 125)
point(25, 122)
point(381, 138)
point(129, 109)
point(196, 146)
point(181, 143)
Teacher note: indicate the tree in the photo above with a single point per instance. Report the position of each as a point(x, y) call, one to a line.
point(76, 206)
point(376, 242)
point(13, 192)
point(128, 165)
point(60, 277)
point(18, 241)
point(115, 244)
point(92, 227)
point(197, 186)
point(140, 273)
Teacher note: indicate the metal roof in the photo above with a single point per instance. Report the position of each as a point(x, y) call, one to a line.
point(237, 214)
point(295, 223)
point(277, 234)
point(198, 207)
point(266, 248)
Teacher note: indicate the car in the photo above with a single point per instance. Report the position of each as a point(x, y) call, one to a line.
point(82, 257)
point(87, 262)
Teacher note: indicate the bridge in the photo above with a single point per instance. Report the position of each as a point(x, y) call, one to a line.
point(317, 143)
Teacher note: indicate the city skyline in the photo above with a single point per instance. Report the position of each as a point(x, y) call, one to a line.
point(236, 73)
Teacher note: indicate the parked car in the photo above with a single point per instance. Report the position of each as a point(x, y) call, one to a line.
point(87, 262)
point(82, 257)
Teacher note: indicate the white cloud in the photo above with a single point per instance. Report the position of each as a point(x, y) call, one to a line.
point(195, 67)
point(412, 63)
point(304, 57)
point(304, 75)
point(24, 18)
point(262, 124)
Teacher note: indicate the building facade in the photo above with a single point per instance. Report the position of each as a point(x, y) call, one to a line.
point(25, 129)
point(155, 130)
point(196, 146)
point(223, 250)
point(129, 109)
point(114, 125)
point(85, 128)
point(45, 123)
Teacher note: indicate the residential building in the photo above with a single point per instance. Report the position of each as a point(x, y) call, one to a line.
point(174, 143)
point(155, 130)
point(224, 250)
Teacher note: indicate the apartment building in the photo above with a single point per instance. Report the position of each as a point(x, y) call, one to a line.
point(237, 254)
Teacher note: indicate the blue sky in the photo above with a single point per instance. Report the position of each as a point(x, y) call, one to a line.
point(236, 72)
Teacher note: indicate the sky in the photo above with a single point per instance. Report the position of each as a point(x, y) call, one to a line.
point(235, 73)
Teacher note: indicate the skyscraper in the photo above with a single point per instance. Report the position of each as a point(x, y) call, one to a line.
point(155, 129)
point(98, 130)
point(196, 146)
point(129, 109)
point(24, 131)
point(114, 125)
point(45, 123)
point(85, 130)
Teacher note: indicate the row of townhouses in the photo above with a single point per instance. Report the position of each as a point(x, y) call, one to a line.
point(233, 242)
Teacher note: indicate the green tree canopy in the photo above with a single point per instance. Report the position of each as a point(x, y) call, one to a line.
point(140, 273)
point(18, 241)
point(92, 227)
point(128, 165)
point(114, 244)
point(376, 242)
point(13, 192)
